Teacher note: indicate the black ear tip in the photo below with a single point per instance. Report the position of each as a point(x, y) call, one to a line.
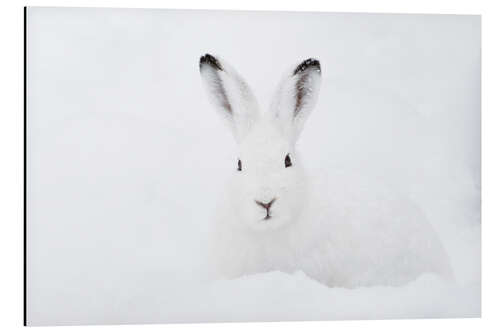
point(210, 60)
point(310, 63)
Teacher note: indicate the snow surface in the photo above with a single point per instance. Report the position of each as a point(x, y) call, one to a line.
point(126, 157)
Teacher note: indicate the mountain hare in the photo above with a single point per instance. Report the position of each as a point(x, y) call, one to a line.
point(338, 232)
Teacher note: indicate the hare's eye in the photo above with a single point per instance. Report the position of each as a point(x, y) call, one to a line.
point(239, 165)
point(288, 161)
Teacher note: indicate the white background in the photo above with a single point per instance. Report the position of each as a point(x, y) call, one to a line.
point(16, 192)
point(126, 156)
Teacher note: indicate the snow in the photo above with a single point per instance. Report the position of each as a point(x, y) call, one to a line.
point(126, 157)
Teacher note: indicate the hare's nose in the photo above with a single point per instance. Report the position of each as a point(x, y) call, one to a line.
point(265, 205)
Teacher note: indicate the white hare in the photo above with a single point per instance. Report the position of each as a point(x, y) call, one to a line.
point(272, 218)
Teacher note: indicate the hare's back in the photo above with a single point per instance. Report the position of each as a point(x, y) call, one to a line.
point(376, 235)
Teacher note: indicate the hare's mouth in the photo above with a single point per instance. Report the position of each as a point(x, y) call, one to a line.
point(267, 217)
point(267, 207)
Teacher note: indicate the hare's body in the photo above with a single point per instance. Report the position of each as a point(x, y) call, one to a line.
point(349, 235)
point(335, 228)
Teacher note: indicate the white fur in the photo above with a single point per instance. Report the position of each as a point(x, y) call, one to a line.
point(337, 232)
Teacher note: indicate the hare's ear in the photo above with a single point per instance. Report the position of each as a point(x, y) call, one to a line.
point(296, 97)
point(230, 95)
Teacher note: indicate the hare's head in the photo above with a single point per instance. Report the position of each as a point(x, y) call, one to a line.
point(268, 189)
